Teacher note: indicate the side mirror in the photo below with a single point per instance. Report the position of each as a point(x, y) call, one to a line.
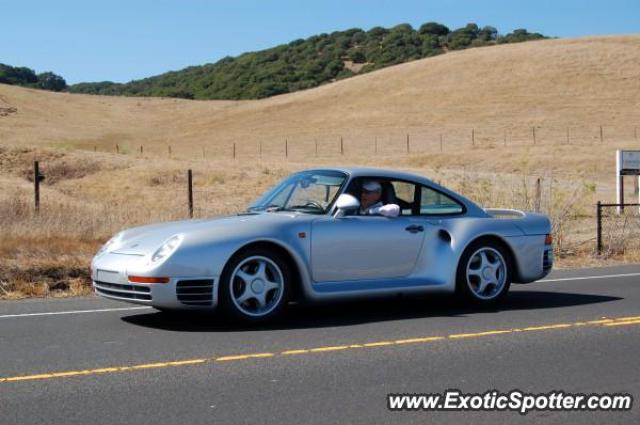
point(346, 202)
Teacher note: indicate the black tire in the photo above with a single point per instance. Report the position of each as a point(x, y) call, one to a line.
point(227, 304)
point(464, 291)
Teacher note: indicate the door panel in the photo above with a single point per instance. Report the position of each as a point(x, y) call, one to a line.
point(365, 247)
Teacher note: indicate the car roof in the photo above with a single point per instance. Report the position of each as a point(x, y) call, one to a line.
point(377, 172)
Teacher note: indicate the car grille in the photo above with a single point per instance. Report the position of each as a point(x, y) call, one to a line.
point(547, 262)
point(195, 292)
point(130, 292)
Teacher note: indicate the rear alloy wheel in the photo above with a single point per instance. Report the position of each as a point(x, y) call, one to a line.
point(484, 274)
point(254, 286)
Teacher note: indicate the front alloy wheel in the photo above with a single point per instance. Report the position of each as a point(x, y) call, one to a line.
point(254, 286)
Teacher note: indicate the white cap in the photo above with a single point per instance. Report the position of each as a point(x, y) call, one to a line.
point(372, 186)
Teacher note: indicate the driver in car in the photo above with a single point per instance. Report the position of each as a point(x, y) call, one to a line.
point(370, 203)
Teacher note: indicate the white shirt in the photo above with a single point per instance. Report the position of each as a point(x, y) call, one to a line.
point(389, 210)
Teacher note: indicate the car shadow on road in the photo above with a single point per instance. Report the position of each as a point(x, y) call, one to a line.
point(334, 314)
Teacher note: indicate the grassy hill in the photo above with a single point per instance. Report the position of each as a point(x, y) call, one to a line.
point(303, 64)
point(580, 83)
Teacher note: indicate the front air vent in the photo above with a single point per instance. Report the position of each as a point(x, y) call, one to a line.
point(128, 291)
point(195, 292)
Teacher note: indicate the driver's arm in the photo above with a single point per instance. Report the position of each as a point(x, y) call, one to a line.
point(389, 210)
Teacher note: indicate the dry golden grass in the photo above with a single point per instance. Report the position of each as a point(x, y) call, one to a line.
point(563, 90)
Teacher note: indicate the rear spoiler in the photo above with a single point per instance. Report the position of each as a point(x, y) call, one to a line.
point(528, 223)
point(505, 213)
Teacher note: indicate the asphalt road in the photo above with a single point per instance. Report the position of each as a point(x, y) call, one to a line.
point(91, 361)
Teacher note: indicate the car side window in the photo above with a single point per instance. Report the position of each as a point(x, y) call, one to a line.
point(404, 196)
point(433, 202)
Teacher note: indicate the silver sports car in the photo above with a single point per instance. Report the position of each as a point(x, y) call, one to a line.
point(326, 234)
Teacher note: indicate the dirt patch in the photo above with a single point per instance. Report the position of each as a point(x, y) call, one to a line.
point(55, 165)
point(5, 112)
point(51, 280)
point(45, 267)
point(355, 67)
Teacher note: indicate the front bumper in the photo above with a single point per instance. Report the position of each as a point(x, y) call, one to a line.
point(110, 280)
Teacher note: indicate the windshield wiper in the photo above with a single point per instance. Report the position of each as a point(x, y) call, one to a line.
point(307, 208)
point(271, 207)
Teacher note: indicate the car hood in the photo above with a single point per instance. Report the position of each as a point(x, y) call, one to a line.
point(147, 239)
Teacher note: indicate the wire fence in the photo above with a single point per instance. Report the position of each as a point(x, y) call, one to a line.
point(617, 228)
point(384, 141)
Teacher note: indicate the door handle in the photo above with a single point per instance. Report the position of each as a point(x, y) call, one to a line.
point(414, 228)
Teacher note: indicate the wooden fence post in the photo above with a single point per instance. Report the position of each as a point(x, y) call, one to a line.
point(473, 137)
point(341, 146)
point(538, 195)
point(234, 150)
point(441, 142)
point(533, 134)
point(408, 148)
point(316, 143)
point(117, 148)
point(169, 151)
point(601, 135)
point(37, 178)
point(190, 192)
point(286, 148)
point(599, 228)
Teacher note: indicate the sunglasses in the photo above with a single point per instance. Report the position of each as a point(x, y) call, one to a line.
point(369, 192)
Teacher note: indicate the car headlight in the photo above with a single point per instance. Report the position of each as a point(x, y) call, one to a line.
point(167, 248)
point(110, 243)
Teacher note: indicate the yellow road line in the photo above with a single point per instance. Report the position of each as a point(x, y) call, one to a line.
point(478, 334)
point(624, 323)
point(292, 352)
point(243, 357)
point(628, 318)
point(598, 322)
point(336, 348)
point(603, 322)
point(419, 340)
point(378, 344)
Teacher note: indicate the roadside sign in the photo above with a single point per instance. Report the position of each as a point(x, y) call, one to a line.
point(629, 163)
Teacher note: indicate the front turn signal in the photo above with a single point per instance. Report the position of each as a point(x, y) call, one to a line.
point(146, 279)
point(548, 240)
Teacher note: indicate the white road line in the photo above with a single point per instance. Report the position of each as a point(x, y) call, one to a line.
point(57, 313)
point(604, 276)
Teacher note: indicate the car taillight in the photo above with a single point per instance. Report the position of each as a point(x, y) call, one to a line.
point(548, 240)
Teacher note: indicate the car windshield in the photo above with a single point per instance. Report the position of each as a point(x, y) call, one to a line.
point(310, 191)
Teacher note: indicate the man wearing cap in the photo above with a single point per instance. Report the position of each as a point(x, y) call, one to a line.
point(370, 203)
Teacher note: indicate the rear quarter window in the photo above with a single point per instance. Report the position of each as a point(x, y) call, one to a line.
point(433, 202)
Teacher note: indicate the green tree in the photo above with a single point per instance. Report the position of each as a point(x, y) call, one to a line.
point(17, 75)
point(433, 28)
point(306, 63)
point(488, 33)
point(51, 81)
